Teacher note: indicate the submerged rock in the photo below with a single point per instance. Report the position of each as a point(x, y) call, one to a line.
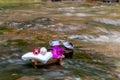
point(27, 24)
point(30, 23)
point(12, 23)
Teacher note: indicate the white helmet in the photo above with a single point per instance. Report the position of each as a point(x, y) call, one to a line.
point(43, 50)
point(68, 45)
point(54, 42)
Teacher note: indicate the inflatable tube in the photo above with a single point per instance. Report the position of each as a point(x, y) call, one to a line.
point(39, 57)
point(36, 63)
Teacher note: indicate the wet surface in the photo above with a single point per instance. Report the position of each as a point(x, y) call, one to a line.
point(36, 25)
point(72, 69)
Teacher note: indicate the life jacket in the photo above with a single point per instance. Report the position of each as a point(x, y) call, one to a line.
point(36, 51)
point(57, 51)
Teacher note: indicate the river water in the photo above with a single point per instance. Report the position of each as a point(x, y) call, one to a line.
point(94, 33)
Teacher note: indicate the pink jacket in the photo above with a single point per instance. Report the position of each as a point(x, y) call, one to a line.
point(57, 51)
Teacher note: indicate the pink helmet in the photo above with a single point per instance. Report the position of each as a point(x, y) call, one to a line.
point(36, 51)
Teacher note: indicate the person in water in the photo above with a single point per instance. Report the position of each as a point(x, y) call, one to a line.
point(68, 49)
point(57, 51)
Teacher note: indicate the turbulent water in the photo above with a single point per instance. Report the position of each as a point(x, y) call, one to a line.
point(93, 28)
